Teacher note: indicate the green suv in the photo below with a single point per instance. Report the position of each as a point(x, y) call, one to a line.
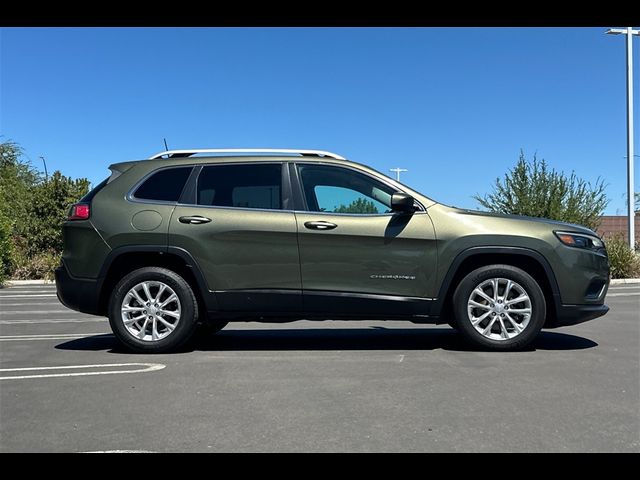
point(181, 240)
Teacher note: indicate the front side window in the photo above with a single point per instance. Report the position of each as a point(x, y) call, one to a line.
point(342, 190)
point(164, 185)
point(245, 186)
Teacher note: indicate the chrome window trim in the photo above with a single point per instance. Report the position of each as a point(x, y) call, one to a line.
point(131, 198)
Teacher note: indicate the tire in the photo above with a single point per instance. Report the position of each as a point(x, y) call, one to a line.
point(513, 328)
point(154, 335)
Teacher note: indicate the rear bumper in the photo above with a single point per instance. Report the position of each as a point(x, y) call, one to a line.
point(573, 314)
point(79, 294)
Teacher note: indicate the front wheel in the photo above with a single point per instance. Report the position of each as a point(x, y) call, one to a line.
point(153, 310)
point(499, 307)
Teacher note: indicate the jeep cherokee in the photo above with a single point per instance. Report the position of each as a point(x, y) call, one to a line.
point(181, 240)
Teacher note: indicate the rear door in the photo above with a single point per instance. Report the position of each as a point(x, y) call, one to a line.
point(236, 222)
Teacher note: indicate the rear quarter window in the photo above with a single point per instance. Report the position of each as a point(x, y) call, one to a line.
point(164, 185)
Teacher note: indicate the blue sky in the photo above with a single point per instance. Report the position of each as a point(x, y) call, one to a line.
point(452, 105)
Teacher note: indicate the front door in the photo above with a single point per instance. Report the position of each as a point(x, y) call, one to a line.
point(241, 237)
point(356, 255)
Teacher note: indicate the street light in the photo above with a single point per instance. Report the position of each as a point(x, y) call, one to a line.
point(398, 170)
point(629, 32)
point(46, 174)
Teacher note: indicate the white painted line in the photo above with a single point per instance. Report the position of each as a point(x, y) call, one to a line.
point(40, 312)
point(53, 320)
point(51, 336)
point(30, 304)
point(630, 287)
point(121, 451)
point(146, 367)
point(630, 294)
point(25, 296)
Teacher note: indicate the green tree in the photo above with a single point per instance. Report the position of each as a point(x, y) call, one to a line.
point(17, 179)
point(31, 214)
point(359, 205)
point(49, 207)
point(534, 189)
point(6, 247)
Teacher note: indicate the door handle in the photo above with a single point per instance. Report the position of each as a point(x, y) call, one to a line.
point(194, 220)
point(321, 225)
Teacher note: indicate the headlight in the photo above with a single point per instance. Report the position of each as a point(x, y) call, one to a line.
point(579, 240)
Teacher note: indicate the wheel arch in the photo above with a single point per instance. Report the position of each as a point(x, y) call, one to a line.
point(124, 260)
point(528, 260)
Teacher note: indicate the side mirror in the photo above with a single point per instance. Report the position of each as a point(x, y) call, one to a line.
point(401, 202)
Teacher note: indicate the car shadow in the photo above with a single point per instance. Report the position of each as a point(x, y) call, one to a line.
point(327, 339)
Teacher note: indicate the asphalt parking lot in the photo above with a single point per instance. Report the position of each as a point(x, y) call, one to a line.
point(65, 386)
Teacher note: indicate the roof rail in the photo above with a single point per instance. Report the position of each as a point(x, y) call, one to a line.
point(190, 152)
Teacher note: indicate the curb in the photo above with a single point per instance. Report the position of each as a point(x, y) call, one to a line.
point(621, 281)
point(15, 283)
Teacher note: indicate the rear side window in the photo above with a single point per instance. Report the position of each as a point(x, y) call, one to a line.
point(165, 185)
point(245, 186)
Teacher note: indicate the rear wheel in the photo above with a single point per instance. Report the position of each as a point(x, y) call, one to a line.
point(499, 307)
point(153, 310)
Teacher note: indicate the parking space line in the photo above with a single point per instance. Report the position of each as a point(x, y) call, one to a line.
point(121, 451)
point(27, 296)
point(39, 312)
point(49, 336)
point(23, 304)
point(146, 367)
point(53, 320)
point(629, 294)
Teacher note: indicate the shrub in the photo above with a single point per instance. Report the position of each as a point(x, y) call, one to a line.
point(48, 209)
point(534, 189)
point(30, 245)
point(35, 267)
point(625, 263)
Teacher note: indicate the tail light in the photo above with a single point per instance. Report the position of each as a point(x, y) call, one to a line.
point(79, 211)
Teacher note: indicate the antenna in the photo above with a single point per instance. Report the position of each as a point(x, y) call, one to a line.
point(165, 144)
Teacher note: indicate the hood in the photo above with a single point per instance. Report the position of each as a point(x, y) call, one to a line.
point(556, 224)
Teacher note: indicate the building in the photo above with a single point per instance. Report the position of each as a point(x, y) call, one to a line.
point(612, 224)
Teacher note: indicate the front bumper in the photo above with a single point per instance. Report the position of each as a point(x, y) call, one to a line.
point(566, 315)
point(79, 294)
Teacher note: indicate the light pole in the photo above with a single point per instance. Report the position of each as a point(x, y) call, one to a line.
point(398, 170)
point(46, 174)
point(629, 32)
